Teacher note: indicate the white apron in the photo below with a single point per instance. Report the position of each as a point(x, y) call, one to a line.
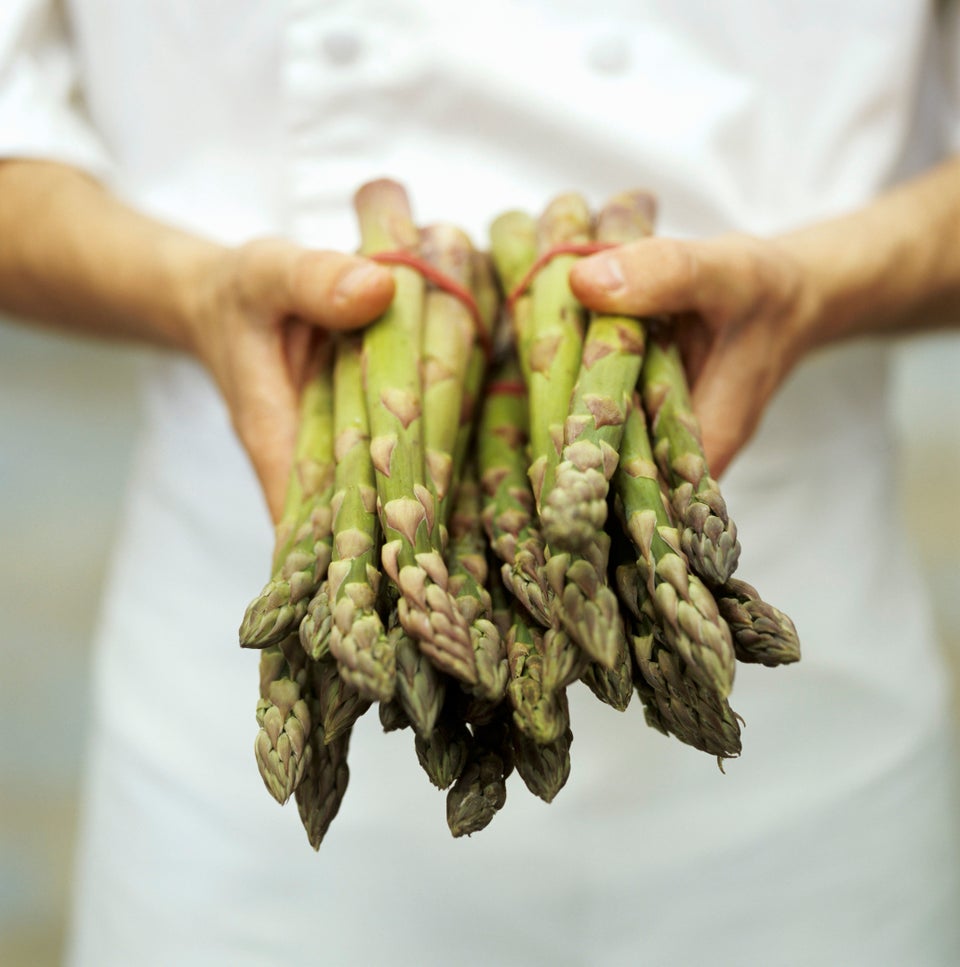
point(833, 840)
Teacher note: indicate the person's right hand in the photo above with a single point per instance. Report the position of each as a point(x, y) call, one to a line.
point(263, 305)
point(743, 308)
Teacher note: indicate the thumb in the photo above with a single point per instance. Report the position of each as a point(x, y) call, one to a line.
point(328, 289)
point(649, 277)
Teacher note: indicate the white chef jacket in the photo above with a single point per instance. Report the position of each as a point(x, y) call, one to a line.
point(833, 840)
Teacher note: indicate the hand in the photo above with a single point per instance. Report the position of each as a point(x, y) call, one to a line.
point(740, 306)
point(263, 307)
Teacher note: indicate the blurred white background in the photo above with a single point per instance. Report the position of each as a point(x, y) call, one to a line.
point(68, 414)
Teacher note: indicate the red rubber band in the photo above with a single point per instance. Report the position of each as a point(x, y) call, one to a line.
point(442, 281)
point(506, 388)
point(566, 248)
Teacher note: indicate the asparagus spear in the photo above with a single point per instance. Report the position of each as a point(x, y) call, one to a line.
point(585, 605)
point(708, 536)
point(468, 577)
point(555, 340)
point(443, 754)
point(613, 686)
point(392, 382)
point(513, 248)
point(575, 512)
point(283, 714)
point(508, 500)
point(393, 718)
point(358, 640)
point(488, 304)
point(692, 625)
point(549, 330)
point(676, 703)
point(451, 357)
point(563, 662)
point(448, 342)
point(303, 534)
point(544, 767)
point(539, 712)
point(339, 704)
point(420, 687)
point(324, 783)
point(481, 790)
point(761, 633)
point(513, 245)
point(317, 623)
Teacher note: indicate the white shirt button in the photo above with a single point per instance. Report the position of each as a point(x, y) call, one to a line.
point(341, 47)
point(609, 55)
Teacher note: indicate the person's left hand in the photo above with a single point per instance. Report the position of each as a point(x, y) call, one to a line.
point(264, 306)
point(741, 307)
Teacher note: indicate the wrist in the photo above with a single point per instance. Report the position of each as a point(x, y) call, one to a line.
point(814, 318)
point(194, 268)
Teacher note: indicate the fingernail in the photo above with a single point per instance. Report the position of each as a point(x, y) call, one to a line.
point(605, 272)
point(362, 276)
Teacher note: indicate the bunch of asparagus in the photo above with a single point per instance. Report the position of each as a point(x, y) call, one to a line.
point(465, 537)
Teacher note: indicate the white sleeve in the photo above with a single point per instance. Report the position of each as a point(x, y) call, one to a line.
point(41, 110)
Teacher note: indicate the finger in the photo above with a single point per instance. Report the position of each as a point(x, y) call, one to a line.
point(264, 409)
point(728, 400)
point(327, 289)
point(339, 291)
point(302, 345)
point(657, 276)
point(695, 341)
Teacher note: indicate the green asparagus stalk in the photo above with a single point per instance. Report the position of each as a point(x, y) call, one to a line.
point(451, 381)
point(481, 790)
point(303, 534)
point(563, 661)
point(448, 342)
point(324, 783)
point(708, 536)
point(692, 625)
point(673, 702)
point(393, 718)
point(487, 297)
point(575, 512)
point(613, 686)
point(485, 292)
point(282, 748)
point(513, 248)
point(358, 639)
point(420, 687)
point(392, 383)
point(502, 603)
point(541, 665)
point(477, 706)
point(544, 767)
point(467, 562)
point(677, 704)
point(549, 327)
point(339, 703)
point(508, 512)
point(443, 754)
point(317, 624)
point(641, 634)
point(585, 605)
point(761, 633)
point(539, 712)
point(555, 340)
